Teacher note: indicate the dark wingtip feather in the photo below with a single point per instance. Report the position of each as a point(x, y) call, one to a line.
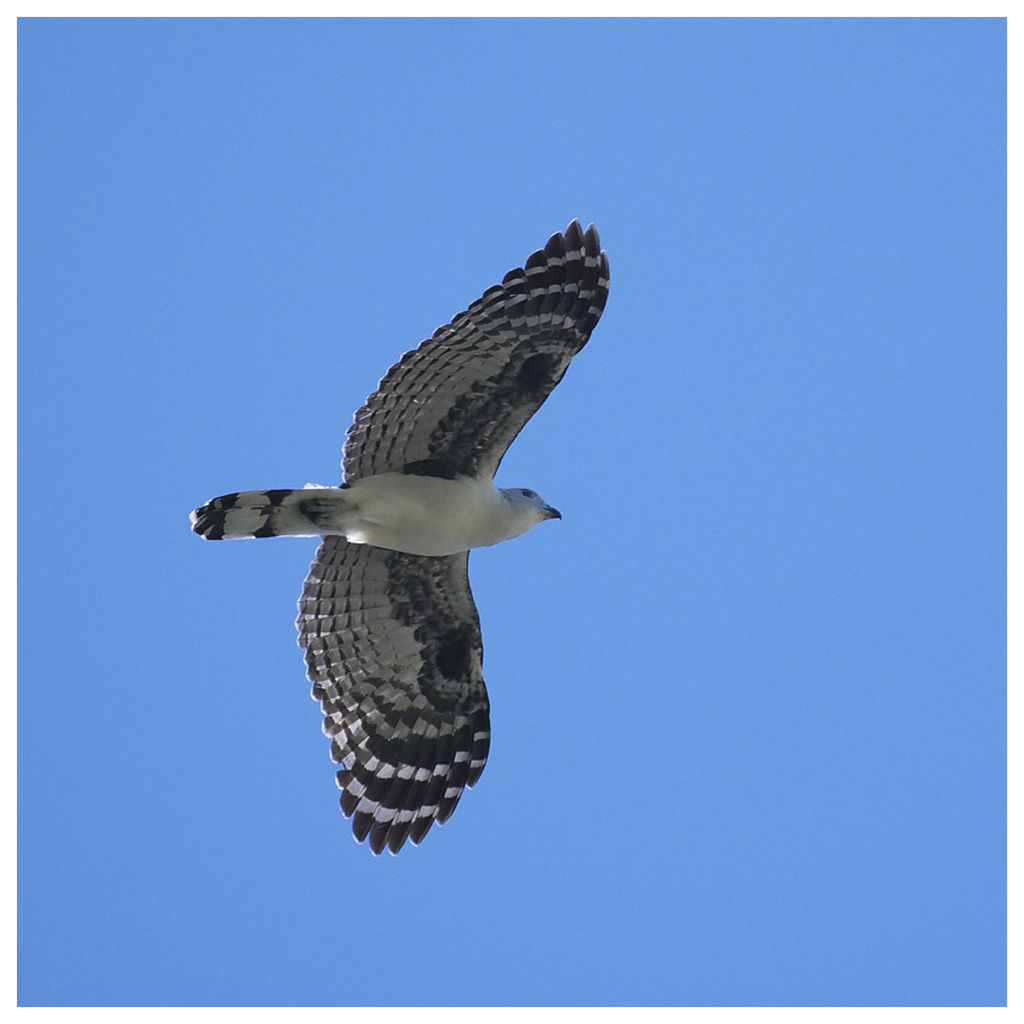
point(397, 836)
point(361, 824)
point(419, 828)
point(539, 258)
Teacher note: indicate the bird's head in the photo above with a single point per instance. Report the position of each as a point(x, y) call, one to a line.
point(530, 508)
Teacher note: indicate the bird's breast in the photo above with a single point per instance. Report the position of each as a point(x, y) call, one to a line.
point(426, 515)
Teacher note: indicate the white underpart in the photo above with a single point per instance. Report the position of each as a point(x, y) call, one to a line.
point(426, 515)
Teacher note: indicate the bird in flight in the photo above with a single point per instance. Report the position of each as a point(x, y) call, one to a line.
point(386, 617)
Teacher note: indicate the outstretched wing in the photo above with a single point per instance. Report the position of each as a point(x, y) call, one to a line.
point(457, 402)
point(393, 650)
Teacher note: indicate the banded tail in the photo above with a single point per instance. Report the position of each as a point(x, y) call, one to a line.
point(309, 512)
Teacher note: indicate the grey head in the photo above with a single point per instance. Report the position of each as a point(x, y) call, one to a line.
point(530, 508)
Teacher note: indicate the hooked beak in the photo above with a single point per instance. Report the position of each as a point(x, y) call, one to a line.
point(551, 513)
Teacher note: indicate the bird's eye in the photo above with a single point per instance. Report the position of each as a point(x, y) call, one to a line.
point(529, 494)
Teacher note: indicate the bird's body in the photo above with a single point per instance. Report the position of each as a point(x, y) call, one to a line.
point(420, 515)
point(386, 617)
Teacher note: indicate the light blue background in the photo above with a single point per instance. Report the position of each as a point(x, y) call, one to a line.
point(747, 697)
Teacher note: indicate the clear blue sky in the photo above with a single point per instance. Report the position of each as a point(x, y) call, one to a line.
point(747, 696)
